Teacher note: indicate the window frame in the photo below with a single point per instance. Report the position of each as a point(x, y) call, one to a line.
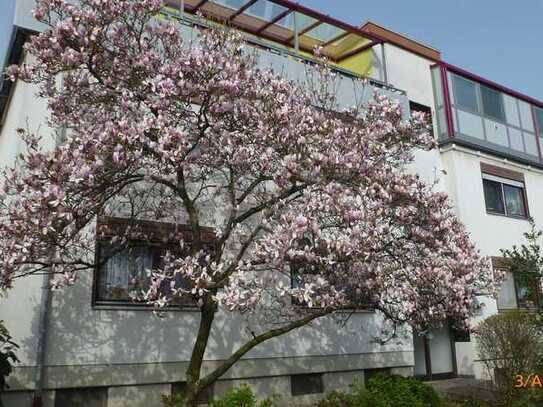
point(509, 178)
point(157, 230)
point(478, 102)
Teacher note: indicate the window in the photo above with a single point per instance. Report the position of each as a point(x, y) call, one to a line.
point(124, 271)
point(85, 397)
point(465, 93)
point(492, 103)
point(507, 296)
point(504, 196)
point(302, 384)
point(528, 291)
point(205, 396)
point(417, 107)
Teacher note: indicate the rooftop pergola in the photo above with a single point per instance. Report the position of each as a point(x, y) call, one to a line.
point(286, 23)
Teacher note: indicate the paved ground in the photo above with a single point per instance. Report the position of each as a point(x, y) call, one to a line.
point(464, 389)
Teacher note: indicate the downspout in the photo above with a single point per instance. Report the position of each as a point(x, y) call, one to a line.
point(384, 72)
point(45, 308)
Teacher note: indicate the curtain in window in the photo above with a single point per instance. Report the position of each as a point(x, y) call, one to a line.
point(126, 273)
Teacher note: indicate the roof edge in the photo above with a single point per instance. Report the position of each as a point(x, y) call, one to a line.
point(401, 40)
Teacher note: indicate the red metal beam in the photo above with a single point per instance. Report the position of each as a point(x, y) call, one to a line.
point(273, 21)
point(537, 131)
point(240, 10)
point(199, 5)
point(305, 30)
point(357, 50)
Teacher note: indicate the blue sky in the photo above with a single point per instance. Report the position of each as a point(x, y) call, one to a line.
point(501, 40)
point(7, 8)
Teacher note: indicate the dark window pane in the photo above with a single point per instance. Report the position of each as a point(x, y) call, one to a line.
point(514, 200)
point(126, 273)
point(492, 103)
point(465, 93)
point(527, 291)
point(306, 384)
point(493, 196)
point(88, 397)
point(460, 334)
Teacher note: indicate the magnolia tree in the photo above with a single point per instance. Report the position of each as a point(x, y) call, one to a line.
point(260, 181)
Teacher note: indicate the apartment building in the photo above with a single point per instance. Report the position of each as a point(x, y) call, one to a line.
point(87, 346)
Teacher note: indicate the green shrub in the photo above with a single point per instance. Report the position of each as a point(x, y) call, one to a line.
point(385, 391)
point(175, 400)
point(357, 397)
point(509, 344)
point(392, 391)
point(242, 396)
point(7, 356)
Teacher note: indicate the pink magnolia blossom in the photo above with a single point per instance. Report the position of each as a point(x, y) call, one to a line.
point(194, 132)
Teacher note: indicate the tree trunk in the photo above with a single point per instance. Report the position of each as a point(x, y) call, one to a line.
point(194, 388)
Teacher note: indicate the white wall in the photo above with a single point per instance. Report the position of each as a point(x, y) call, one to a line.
point(19, 306)
point(490, 232)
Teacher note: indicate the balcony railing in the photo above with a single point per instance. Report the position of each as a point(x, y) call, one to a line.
point(351, 88)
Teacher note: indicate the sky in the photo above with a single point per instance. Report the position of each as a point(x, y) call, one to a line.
point(500, 40)
point(7, 8)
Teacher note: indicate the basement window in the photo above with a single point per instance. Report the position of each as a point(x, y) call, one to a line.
point(81, 397)
point(302, 384)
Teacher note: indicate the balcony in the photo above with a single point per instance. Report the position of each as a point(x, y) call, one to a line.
point(284, 35)
point(486, 116)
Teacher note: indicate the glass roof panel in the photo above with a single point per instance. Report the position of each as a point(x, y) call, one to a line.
point(325, 32)
point(302, 21)
point(265, 10)
point(287, 21)
point(233, 4)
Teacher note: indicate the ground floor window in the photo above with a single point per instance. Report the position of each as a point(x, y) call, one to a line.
point(302, 384)
point(81, 397)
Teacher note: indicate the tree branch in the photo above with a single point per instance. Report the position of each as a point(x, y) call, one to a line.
point(228, 363)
